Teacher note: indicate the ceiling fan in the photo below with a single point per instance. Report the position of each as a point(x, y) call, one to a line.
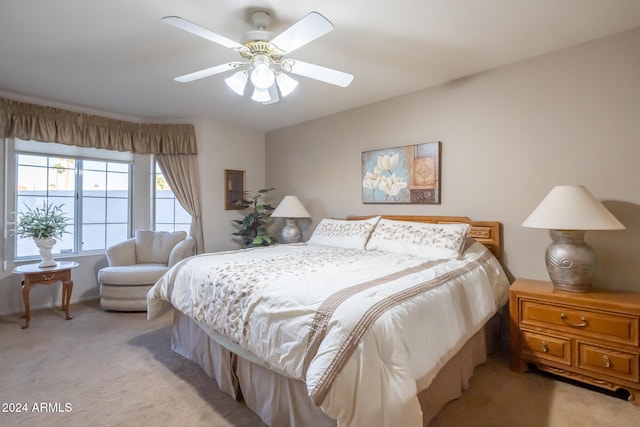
point(265, 64)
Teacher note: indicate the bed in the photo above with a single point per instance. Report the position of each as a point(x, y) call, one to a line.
point(375, 321)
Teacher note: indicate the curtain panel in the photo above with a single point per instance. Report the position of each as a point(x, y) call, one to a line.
point(48, 124)
point(181, 173)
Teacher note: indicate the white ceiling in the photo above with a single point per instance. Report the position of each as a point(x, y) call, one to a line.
point(116, 56)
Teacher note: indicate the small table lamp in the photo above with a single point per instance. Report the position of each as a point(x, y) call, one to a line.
point(290, 208)
point(567, 211)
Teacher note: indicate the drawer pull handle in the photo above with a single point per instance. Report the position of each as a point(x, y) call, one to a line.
point(545, 347)
point(47, 278)
point(607, 361)
point(577, 325)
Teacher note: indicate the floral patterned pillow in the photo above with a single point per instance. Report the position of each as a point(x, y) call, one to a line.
point(341, 233)
point(419, 239)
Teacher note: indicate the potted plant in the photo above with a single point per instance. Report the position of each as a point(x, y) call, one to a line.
point(253, 227)
point(43, 225)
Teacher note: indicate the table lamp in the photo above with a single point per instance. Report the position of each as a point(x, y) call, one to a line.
point(568, 211)
point(290, 209)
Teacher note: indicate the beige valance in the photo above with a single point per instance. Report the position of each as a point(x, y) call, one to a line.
point(47, 124)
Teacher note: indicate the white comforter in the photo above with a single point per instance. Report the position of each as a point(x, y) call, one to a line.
point(359, 327)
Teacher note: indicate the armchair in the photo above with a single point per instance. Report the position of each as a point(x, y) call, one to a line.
point(136, 264)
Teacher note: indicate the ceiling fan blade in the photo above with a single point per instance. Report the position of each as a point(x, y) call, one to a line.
point(206, 72)
point(324, 74)
point(302, 32)
point(197, 30)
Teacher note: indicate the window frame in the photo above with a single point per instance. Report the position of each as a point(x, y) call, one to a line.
point(14, 147)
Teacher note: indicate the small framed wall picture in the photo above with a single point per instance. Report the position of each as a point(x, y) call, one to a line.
point(234, 189)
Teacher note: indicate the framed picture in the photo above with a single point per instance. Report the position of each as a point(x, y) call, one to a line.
point(233, 189)
point(409, 174)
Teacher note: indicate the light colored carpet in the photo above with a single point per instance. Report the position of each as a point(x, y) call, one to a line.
point(117, 369)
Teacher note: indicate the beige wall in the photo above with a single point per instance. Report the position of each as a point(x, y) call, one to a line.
point(220, 147)
point(508, 136)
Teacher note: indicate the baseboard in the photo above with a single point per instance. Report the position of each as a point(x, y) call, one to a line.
point(45, 306)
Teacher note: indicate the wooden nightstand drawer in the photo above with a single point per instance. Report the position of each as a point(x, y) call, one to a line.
point(612, 326)
point(613, 363)
point(546, 347)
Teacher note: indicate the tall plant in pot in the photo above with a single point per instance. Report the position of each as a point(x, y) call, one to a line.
point(253, 227)
point(43, 225)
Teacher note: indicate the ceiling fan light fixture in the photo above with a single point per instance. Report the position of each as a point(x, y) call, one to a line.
point(273, 93)
point(237, 82)
point(286, 84)
point(261, 95)
point(262, 76)
point(264, 57)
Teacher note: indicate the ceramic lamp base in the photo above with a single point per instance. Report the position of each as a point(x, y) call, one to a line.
point(291, 232)
point(570, 261)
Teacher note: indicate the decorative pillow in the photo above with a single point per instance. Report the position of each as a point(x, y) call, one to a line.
point(420, 239)
point(155, 246)
point(341, 233)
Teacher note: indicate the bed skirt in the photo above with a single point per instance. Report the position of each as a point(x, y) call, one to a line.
point(282, 401)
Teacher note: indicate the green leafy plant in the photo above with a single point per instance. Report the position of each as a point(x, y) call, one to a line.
point(253, 227)
point(41, 223)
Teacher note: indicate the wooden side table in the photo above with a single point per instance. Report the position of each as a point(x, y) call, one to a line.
point(593, 337)
point(34, 275)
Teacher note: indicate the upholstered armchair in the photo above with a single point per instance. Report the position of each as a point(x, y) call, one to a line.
point(136, 264)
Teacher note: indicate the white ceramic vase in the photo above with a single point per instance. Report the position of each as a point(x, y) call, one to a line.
point(44, 247)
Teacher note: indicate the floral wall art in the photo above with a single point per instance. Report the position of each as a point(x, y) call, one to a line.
point(409, 174)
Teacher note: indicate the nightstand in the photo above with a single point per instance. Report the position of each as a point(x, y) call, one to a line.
point(593, 337)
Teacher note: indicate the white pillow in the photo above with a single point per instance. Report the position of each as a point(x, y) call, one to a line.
point(419, 239)
point(342, 233)
point(155, 246)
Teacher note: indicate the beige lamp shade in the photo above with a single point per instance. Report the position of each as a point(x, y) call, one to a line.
point(572, 207)
point(567, 211)
point(290, 207)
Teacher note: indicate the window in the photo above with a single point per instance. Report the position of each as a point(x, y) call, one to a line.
point(169, 213)
point(106, 194)
point(105, 203)
point(94, 194)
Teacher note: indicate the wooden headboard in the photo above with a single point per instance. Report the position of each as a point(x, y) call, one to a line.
point(486, 232)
